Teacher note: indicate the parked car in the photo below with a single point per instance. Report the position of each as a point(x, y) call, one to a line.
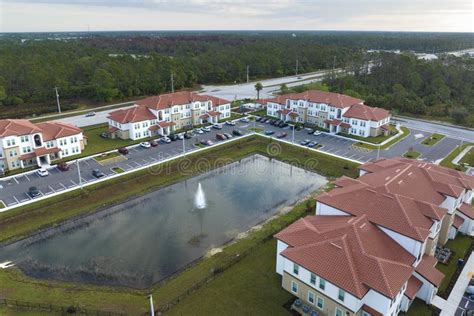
point(316, 133)
point(310, 131)
point(153, 143)
point(229, 136)
point(278, 122)
point(217, 126)
point(269, 132)
point(236, 132)
point(284, 125)
point(63, 166)
point(220, 136)
point(305, 142)
point(33, 192)
point(173, 137)
point(206, 142)
point(272, 122)
point(311, 144)
point(470, 289)
point(181, 136)
point(198, 131)
point(231, 123)
point(89, 114)
point(145, 144)
point(471, 281)
point(42, 172)
point(123, 150)
point(165, 139)
point(206, 129)
point(281, 135)
point(188, 135)
point(244, 120)
point(97, 173)
point(264, 120)
point(258, 118)
point(104, 135)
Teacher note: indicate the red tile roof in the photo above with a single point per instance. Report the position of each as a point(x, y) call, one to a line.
point(398, 213)
point(132, 115)
point(166, 124)
point(458, 221)
point(337, 122)
point(370, 310)
point(368, 113)
point(349, 252)
point(293, 114)
point(334, 99)
point(165, 101)
point(284, 111)
point(112, 129)
point(413, 287)
point(467, 210)
point(210, 114)
point(17, 128)
point(426, 268)
point(54, 130)
point(40, 152)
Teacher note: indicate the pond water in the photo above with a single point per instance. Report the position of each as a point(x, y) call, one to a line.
point(144, 240)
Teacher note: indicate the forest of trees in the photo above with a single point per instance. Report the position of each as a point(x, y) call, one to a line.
point(440, 89)
point(101, 67)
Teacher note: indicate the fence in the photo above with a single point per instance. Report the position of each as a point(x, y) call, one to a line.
point(67, 310)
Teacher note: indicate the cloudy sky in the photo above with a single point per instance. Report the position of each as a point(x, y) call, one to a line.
point(380, 15)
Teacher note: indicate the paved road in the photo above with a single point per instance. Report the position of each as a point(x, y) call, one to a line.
point(82, 120)
point(451, 131)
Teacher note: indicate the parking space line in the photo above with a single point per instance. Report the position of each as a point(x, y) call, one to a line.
point(27, 178)
point(51, 188)
point(136, 163)
point(16, 199)
point(145, 161)
point(153, 159)
point(62, 185)
point(131, 167)
point(14, 178)
point(86, 162)
point(74, 183)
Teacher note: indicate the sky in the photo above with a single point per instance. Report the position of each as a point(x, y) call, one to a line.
point(115, 15)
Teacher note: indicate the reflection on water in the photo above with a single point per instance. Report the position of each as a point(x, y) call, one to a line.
point(147, 239)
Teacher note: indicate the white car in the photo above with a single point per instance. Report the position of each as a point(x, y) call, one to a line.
point(317, 133)
point(165, 139)
point(244, 120)
point(206, 129)
point(145, 144)
point(42, 172)
point(231, 123)
point(198, 131)
point(181, 136)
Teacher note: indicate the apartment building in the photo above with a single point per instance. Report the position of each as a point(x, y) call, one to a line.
point(335, 112)
point(368, 250)
point(25, 144)
point(163, 114)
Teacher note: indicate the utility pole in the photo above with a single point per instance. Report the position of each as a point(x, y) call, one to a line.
point(297, 61)
point(184, 146)
point(334, 64)
point(79, 173)
point(57, 99)
point(172, 83)
point(152, 308)
point(248, 73)
point(293, 135)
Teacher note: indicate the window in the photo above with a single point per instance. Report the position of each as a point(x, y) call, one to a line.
point(322, 284)
point(296, 268)
point(294, 287)
point(311, 297)
point(320, 303)
point(341, 295)
point(312, 279)
point(338, 312)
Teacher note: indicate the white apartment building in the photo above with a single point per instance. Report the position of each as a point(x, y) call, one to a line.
point(163, 114)
point(25, 144)
point(335, 112)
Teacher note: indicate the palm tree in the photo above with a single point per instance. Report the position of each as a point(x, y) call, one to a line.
point(258, 87)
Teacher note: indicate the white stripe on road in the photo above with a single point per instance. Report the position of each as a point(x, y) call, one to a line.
point(27, 178)
point(14, 178)
point(51, 188)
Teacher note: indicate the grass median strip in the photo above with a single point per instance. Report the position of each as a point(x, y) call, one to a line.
point(412, 154)
point(432, 139)
point(447, 161)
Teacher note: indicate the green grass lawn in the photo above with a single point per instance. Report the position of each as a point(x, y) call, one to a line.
point(118, 170)
point(447, 161)
point(412, 154)
point(460, 245)
point(418, 308)
point(107, 156)
point(250, 287)
point(256, 129)
point(468, 158)
point(432, 139)
point(405, 133)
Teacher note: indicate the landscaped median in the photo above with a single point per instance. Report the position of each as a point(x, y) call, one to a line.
point(432, 139)
point(448, 160)
point(405, 132)
point(26, 220)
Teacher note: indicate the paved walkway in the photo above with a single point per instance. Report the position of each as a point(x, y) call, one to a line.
point(449, 307)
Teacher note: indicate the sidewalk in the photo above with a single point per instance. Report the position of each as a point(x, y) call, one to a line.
point(449, 307)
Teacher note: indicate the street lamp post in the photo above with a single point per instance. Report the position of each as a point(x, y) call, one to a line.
point(79, 173)
point(152, 308)
point(293, 135)
point(184, 146)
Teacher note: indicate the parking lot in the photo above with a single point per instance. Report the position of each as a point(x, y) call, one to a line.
point(14, 190)
point(465, 305)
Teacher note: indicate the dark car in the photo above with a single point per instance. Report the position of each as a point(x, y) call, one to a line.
point(269, 132)
point(272, 122)
point(229, 136)
point(188, 135)
point(97, 173)
point(207, 142)
point(310, 131)
point(471, 282)
point(33, 192)
point(281, 124)
point(311, 144)
point(264, 120)
point(236, 132)
point(220, 136)
point(153, 143)
point(63, 166)
point(173, 137)
point(123, 151)
point(284, 125)
point(258, 118)
point(281, 135)
point(305, 142)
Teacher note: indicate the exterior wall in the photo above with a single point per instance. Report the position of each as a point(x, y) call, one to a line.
point(280, 260)
point(427, 290)
point(468, 225)
point(445, 226)
point(323, 209)
point(70, 146)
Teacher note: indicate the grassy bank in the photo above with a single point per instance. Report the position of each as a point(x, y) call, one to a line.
point(447, 161)
point(468, 158)
point(405, 133)
point(412, 154)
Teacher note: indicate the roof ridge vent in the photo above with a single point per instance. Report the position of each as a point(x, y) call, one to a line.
point(371, 190)
point(387, 178)
point(400, 182)
point(337, 246)
point(363, 225)
point(387, 196)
